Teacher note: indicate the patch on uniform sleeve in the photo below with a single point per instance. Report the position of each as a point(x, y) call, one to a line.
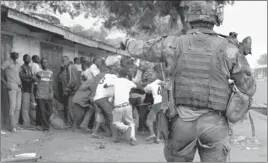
point(231, 51)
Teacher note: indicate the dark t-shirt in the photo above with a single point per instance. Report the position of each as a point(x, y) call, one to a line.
point(26, 78)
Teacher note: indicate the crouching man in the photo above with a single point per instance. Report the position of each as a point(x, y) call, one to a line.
point(82, 107)
point(122, 113)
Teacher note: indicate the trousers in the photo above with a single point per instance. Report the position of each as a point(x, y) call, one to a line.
point(68, 104)
point(106, 108)
point(45, 110)
point(15, 106)
point(208, 134)
point(122, 119)
point(81, 115)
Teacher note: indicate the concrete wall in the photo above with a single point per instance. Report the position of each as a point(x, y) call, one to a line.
point(26, 45)
point(26, 41)
point(70, 52)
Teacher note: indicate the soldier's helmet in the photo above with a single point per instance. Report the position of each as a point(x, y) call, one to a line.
point(206, 11)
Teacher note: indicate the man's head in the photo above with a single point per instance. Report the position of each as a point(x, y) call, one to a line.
point(14, 56)
point(126, 73)
point(82, 60)
point(76, 60)
point(44, 63)
point(245, 46)
point(65, 60)
point(114, 70)
point(202, 13)
point(98, 61)
point(36, 59)
point(125, 61)
point(85, 65)
point(27, 59)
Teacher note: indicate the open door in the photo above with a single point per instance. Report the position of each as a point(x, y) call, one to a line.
point(53, 53)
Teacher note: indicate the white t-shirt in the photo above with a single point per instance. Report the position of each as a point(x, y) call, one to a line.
point(35, 68)
point(79, 67)
point(155, 89)
point(93, 69)
point(122, 88)
point(102, 92)
point(90, 72)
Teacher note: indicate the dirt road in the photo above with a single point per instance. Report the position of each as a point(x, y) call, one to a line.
point(67, 146)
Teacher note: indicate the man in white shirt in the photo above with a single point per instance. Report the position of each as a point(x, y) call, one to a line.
point(102, 99)
point(122, 109)
point(35, 64)
point(154, 88)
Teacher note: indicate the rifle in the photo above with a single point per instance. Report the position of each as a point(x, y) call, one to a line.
point(167, 95)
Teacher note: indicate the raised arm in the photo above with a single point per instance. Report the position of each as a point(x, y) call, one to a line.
point(154, 50)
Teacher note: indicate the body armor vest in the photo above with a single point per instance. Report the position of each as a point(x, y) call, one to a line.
point(201, 81)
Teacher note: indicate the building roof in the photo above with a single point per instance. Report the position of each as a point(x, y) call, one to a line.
point(59, 29)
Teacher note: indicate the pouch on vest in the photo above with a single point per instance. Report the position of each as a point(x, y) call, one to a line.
point(238, 105)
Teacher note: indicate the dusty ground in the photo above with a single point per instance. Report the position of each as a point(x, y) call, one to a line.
point(67, 146)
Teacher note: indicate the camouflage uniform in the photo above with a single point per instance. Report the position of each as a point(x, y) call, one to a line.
point(200, 62)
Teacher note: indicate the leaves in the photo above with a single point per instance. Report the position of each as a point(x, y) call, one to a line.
point(135, 17)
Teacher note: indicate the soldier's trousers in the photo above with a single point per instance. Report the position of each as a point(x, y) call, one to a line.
point(208, 134)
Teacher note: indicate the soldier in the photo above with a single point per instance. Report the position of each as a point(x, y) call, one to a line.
point(199, 64)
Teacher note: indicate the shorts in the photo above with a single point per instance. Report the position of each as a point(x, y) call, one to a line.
point(152, 116)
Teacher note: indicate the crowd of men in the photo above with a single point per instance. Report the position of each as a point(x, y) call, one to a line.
point(108, 95)
point(209, 85)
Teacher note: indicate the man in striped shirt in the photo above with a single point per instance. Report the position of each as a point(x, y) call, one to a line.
point(44, 95)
